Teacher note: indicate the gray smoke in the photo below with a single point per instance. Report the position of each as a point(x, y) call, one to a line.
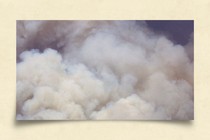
point(101, 70)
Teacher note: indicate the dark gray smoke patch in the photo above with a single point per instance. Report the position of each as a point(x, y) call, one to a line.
point(179, 31)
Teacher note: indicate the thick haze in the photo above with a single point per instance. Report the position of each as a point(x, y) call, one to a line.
point(102, 70)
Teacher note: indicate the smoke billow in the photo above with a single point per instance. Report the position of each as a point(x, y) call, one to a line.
point(101, 70)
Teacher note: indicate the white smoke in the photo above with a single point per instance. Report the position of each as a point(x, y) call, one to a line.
point(101, 70)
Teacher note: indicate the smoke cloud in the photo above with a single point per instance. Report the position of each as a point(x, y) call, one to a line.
point(101, 70)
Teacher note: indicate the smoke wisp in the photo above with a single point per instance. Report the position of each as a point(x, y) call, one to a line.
point(101, 70)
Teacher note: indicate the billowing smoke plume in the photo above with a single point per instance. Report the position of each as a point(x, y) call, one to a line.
point(101, 70)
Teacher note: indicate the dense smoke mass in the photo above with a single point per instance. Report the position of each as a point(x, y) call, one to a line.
point(102, 70)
